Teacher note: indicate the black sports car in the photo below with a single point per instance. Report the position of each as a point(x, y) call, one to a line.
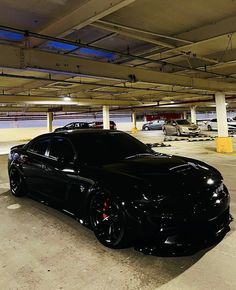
point(122, 189)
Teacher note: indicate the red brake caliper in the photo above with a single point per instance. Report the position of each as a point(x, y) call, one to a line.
point(104, 209)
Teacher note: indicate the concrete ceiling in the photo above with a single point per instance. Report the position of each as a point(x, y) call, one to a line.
point(116, 52)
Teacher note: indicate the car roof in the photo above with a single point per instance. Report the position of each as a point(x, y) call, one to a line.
point(74, 133)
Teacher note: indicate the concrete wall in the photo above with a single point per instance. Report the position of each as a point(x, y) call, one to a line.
point(22, 134)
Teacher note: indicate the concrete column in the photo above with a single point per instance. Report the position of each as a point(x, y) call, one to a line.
point(221, 115)
point(223, 142)
point(106, 117)
point(185, 115)
point(193, 115)
point(134, 120)
point(49, 121)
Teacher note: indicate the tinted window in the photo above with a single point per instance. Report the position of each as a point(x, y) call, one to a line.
point(70, 126)
point(182, 122)
point(107, 147)
point(61, 148)
point(39, 146)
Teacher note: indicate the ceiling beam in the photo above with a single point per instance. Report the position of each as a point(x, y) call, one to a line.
point(80, 17)
point(172, 48)
point(48, 100)
point(33, 59)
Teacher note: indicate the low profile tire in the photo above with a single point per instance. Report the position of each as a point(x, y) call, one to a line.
point(17, 183)
point(108, 221)
point(209, 128)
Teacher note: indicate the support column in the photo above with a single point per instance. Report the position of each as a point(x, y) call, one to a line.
point(224, 143)
point(106, 117)
point(193, 115)
point(49, 121)
point(134, 121)
point(185, 115)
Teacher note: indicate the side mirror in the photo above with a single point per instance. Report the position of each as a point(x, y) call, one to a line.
point(149, 145)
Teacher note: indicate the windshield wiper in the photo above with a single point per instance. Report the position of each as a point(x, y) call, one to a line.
point(139, 155)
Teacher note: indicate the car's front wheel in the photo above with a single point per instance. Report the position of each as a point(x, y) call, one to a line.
point(146, 128)
point(209, 128)
point(17, 183)
point(178, 132)
point(108, 220)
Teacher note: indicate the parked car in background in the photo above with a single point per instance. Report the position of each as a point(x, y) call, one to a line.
point(99, 125)
point(72, 126)
point(212, 124)
point(124, 191)
point(180, 127)
point(153, 125)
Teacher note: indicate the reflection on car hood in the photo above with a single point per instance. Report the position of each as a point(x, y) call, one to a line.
point(167, 173)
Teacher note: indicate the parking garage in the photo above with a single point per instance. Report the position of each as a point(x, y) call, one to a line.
point(145, 65)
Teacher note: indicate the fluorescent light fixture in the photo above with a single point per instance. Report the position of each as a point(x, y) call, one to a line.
point(172, 102)
point(67, 99)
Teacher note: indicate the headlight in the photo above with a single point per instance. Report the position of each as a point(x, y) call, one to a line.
point(184, 129)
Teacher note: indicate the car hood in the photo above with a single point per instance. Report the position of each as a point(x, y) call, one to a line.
point(192, 126)
point(164, 174)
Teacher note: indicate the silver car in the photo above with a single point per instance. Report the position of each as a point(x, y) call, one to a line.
point(180, 127)
point(153, 125)
point(212, 124)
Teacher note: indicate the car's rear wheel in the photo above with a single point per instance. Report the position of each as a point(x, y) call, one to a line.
point(209, 128)
point(17, 183)
point(146, 128)
point(108, 220)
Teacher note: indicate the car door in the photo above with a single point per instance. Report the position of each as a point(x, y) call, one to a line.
point(60, 169)
point(33, 164)
point(168, 127)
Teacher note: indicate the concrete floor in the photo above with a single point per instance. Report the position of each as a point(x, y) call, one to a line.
point(41, 248)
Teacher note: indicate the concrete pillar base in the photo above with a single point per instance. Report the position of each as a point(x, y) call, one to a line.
point(224, 145)
point(134, 130)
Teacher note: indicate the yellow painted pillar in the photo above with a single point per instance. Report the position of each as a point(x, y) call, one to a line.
point(134, 120)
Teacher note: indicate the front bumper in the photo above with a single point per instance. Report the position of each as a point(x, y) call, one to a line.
point(186, 239)
point(181, 232)
point(190, 133)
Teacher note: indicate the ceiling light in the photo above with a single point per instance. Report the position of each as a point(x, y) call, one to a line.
point(172, 102)
point(226, 104)
point(67, 98)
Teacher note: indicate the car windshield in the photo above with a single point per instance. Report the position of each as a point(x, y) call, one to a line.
point(108, 147)
point(182, 122)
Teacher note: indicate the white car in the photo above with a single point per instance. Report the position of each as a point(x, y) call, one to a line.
point(212, 125)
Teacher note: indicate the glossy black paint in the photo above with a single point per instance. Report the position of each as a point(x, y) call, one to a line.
point(167, 200)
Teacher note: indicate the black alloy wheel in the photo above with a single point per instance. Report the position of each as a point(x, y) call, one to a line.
point(17, 183)
point(108, 220)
